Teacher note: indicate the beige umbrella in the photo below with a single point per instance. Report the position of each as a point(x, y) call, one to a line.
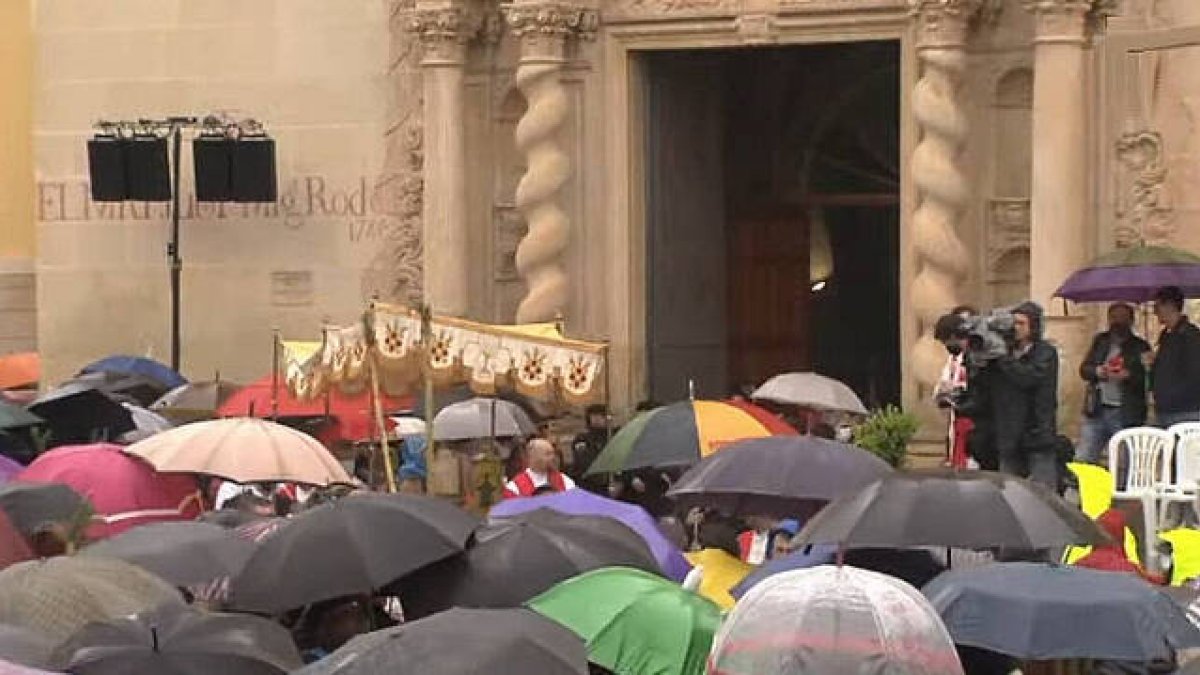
point(243, 450)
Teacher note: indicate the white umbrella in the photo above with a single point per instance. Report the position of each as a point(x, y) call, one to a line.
point(481, 418)
point(831, 619)
point(811, 390)
point(146, 423)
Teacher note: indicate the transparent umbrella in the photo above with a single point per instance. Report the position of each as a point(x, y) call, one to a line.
point(833, 621)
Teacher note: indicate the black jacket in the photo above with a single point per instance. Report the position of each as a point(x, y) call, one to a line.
point(1133, 388)
point(1175, 375)
point(1024, 395)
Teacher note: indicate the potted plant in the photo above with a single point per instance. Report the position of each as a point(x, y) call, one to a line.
point(886, 433)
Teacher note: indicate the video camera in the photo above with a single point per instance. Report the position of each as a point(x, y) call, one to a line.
point(982, 338)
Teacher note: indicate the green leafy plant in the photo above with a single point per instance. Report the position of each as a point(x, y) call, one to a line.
point(886, 433)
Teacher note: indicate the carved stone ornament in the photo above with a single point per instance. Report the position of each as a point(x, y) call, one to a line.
point(551, 20)
point(1143, 212)
point(1068, 19)
point(1009, 224)
point(444, 32)
point(664, 8)
point(943, 22)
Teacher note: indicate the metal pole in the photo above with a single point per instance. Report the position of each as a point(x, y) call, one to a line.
point(275, 357)
point(176, 262)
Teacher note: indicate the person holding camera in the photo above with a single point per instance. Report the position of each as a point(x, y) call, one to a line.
point(1116, 377)
point(1025, 400)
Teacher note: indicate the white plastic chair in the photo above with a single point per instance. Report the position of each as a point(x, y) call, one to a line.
point(1185, 460)
point(1143, 451)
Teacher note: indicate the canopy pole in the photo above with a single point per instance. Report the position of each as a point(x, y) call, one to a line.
point(376, 400)
point(427, 385)
point(275, 339)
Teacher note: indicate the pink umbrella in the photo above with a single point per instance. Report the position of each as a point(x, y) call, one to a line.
point(125, 490)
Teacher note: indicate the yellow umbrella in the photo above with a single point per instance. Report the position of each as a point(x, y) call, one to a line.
point(721, 573)
point(243, 450)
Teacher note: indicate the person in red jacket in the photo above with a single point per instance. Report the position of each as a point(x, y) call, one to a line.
point(541, 471)
point(1111, 557)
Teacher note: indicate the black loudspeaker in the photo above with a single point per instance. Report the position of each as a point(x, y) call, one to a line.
point(106, 167)
point(212, 162)
point(147, 171)
point(253, 170)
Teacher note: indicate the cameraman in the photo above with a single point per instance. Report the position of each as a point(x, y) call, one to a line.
point(1025, 401)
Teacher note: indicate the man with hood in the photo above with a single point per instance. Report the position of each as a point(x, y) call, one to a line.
point(1025, 401)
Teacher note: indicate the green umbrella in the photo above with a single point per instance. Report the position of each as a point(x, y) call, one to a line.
point(634, 623)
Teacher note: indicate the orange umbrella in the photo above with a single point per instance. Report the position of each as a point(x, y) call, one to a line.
point(20, 370)
point(243, 450)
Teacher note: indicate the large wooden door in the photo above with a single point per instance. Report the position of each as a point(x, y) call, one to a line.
point(769, 296)
point(685, 223)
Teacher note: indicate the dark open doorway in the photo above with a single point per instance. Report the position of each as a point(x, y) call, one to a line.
point(772, 194)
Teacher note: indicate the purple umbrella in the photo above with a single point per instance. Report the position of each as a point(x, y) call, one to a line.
point(9, 468)
point(1134, 274)
point(579, 502)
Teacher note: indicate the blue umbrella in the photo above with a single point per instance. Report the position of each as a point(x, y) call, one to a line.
point(137, 365)
point(913, 566)
point(1044, 612)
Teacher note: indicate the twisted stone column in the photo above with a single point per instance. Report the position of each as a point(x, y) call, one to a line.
point(444, 32)
point(543, 31)
point(942, 185)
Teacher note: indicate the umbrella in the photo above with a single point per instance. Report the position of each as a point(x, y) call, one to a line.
point(12, 668)
point(634, 622)
point(177, 640)
point(581, 503)
point(243, 450)
point(1133, 274)
point(777, 476)
point(25, 647)
point(679, 434)
point(31, 506)
point(1045, 612)
point(185, 553)
point(8, 468)
point(355, 545)
point(916, 567)
point(461, 642)
point(517, 558)
point(146, 424)
point(124, 490)
point(194, 401)
point(13, 546)
point(22, 369)
point(137, 365)
point(120, 387)
point(810, 390)
point(721, 573)
point(57, 596)
point(79, 412)
point(16, 417)
point(833, 620)
point(481, 418)
point(354, 413)
point(969, 509)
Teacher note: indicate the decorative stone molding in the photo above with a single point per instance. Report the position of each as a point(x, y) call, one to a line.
point(1008, 230)
point(943, 187)
point(444, 32)
point(543, 30)
point(1143, 213)
point(1067, 20)
point(663, 9)
point(757, 29)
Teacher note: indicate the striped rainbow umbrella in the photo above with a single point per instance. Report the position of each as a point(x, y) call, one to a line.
point(682, 433)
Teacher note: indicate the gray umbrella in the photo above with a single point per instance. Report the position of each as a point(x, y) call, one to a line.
point(24, 646)
point(481, 418)
point(1048, 612)
point(31, 505)
point(183, 553)
point(178, 640)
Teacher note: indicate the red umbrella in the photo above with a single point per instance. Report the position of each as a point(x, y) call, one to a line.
point(124, 490)
point(354, 416)
point(773, 423)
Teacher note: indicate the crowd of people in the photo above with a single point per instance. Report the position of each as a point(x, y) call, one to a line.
point(1000, 385)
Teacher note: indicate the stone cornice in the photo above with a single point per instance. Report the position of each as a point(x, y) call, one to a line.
point(444, 32)
point(943, 23)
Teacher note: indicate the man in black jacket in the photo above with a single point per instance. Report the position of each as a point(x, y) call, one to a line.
point(1175, 368)
point(1025, 401)
point(1116, 380)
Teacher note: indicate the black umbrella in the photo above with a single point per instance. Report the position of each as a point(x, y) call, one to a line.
point(78, 412)
point(1047, 612)
point(24, 646)
point(180, 641)
point(32, 505)
point(515, 559)
point(462, 642)
point(183, 553)
point(353, 546)
point(137, 389)
point(780, 476)
point(966, 509)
